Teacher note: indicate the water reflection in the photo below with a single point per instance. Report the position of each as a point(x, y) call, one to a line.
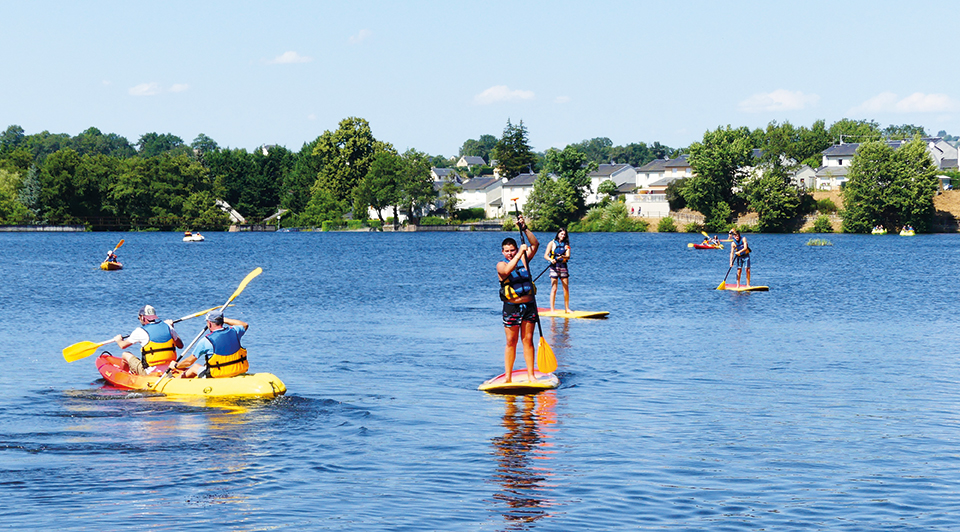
point(523, 454)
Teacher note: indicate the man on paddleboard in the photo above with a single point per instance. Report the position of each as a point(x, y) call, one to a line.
point(516, 292)
point(739, 252)
point(220, 353)
point(158, 342)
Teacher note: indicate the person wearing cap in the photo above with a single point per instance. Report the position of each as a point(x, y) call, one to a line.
point(220, 351)
point(739, 252)
point(158, 341)
point(111, 256)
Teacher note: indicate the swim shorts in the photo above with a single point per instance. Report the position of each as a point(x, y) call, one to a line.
point(559, 271)
point(515, 314)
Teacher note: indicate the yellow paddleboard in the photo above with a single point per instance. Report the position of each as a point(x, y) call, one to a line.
point(741, 288)
point(519, 383)
point(547, 313)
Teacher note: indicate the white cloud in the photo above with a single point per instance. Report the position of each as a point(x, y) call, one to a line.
point(288, 58)
point(360, 37)
point(918, 102)
point(146, 89)
point(778, 100)
point(561, 99)
point(179, 87)
point(501, 93)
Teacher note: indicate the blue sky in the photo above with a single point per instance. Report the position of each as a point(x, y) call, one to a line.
point(429, 75)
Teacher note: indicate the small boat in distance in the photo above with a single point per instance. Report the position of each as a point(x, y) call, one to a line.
point(192, 237)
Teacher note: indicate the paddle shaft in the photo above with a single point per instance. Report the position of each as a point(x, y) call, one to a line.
point(526, 265)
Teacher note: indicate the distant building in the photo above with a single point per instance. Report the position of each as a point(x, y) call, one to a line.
point(618, 173)
point(470, 160)
point(445, 174)
point(483, 192)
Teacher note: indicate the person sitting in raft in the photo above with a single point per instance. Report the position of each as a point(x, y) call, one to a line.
point(220, 350)
point(158, 342)
point(739, 252)
point(517, 291)
point(715, 241)
point(558, 253)
point(111, 256)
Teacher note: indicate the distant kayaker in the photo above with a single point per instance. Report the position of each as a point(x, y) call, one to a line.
point(558, 253)
point(516, 292)
point(220, 351)
point(158, 342)
point(739, 252)
point(111, 256)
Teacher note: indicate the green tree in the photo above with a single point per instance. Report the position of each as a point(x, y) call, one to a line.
point(346, 156)
point(204, 144)
point(93, 142)
point(416, 185)
point(11, 139)
point(513, 153)
point(890, 187)
point(571, 166)
point(846, 130)
point(597, 150)
point(905, 131)
point(479, 148)
point(12, 211)
point(775, 200)
point(29, 193)
point(59, 193)
point(718, 164)
point(608, 187)
point(448, 196)
point(153, 144)
point(636, 154)
point(380, 188)
point(553, 203)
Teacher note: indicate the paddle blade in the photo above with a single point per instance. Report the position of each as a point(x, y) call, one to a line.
point(80, 350)
point(546, 361)
point(690, 244)
point(244, 283)
point(723, 285)
point(119, 244)
point(704, 233)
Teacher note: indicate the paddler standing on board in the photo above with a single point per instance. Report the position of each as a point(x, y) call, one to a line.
point(739, 252)
point(516, 292)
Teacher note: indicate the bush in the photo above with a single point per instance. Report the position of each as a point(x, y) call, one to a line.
point(612, 217)
point(666, 225)
point(474, 214)
point(693, 227)
point(826, 206)
point(822, 224)
point(356, 224)
point(432, 220)
point(509, 224)
point(376, 225)
point(819, 242)
point(333, 225)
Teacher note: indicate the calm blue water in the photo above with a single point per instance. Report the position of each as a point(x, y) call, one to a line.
point(829, 402)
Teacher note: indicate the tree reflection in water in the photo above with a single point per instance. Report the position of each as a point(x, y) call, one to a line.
point(521, 459)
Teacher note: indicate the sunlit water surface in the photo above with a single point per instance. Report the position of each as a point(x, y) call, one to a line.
point(829, 402)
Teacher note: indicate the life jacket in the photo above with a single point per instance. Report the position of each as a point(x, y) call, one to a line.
point(161, 348)
point(742, 249)
point(518, 284)
point(559, 250)
point(229, 358)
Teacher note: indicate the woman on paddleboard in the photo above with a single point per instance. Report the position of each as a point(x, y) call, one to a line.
point(739, 252)
point(558, 253)
point(516, 292)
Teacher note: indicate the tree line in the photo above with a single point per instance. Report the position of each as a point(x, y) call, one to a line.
point(107, 182)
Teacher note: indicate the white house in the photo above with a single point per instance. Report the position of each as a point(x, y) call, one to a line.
point(678, 168)
point(650, 172)
point(520, 188)
point(445, 174)
point(480, 192)
point(837, 159)
point(618, 173)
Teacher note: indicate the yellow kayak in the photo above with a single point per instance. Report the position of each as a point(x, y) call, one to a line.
point(262, 385)
point(107, 265)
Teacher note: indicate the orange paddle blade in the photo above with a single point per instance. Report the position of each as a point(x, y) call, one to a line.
point(546, 361)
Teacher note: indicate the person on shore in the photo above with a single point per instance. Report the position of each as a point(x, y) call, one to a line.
point(219, 354)
point(158, 343)
point(558, 253)
point(519, 307)
point(739, 252)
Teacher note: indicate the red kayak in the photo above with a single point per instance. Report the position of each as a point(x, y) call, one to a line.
point(706, 246)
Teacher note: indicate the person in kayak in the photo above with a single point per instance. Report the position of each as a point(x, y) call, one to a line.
point(219, 354)
point(111, 256)
point(558, 253)
point(739, 252)
point(158, 341)
point(516, 292)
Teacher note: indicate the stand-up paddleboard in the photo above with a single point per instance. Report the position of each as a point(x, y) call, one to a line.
point(547, 313)
point(519, 383)
point(742, 288)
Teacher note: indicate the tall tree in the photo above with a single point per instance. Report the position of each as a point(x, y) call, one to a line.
point(904, 131)
point(153, 144)
point(513, 153)
point(847, 130)
point(890, 187)
point(416, 184)
point(552, 204)
point(596, 149)
point(11, 138)
point(571, 166)
point(480, 147)
point(347, 154)
point(718, 164)
point(380, 188)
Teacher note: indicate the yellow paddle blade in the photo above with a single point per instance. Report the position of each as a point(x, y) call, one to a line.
point(690, 244)
point(704, 233)
point(244, 283)
point(81, 350)
point(119, 244)
point(546, 361)
point(723, 285)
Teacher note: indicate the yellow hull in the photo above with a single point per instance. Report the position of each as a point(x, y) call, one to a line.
point(262, 385)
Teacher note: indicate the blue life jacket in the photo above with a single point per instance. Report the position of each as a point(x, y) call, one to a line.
point(229, 358)
point(559, 250)
point(518, 284)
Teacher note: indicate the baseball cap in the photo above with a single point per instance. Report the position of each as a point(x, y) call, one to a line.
point(147, 311)
point(215, 316)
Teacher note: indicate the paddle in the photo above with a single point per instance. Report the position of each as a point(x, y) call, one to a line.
point(243, 284)
point(546, 360)
point(84, 349)
point(118, 246)
point(723, 284)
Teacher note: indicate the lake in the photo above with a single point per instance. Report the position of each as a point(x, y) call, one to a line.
point(829, 402)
